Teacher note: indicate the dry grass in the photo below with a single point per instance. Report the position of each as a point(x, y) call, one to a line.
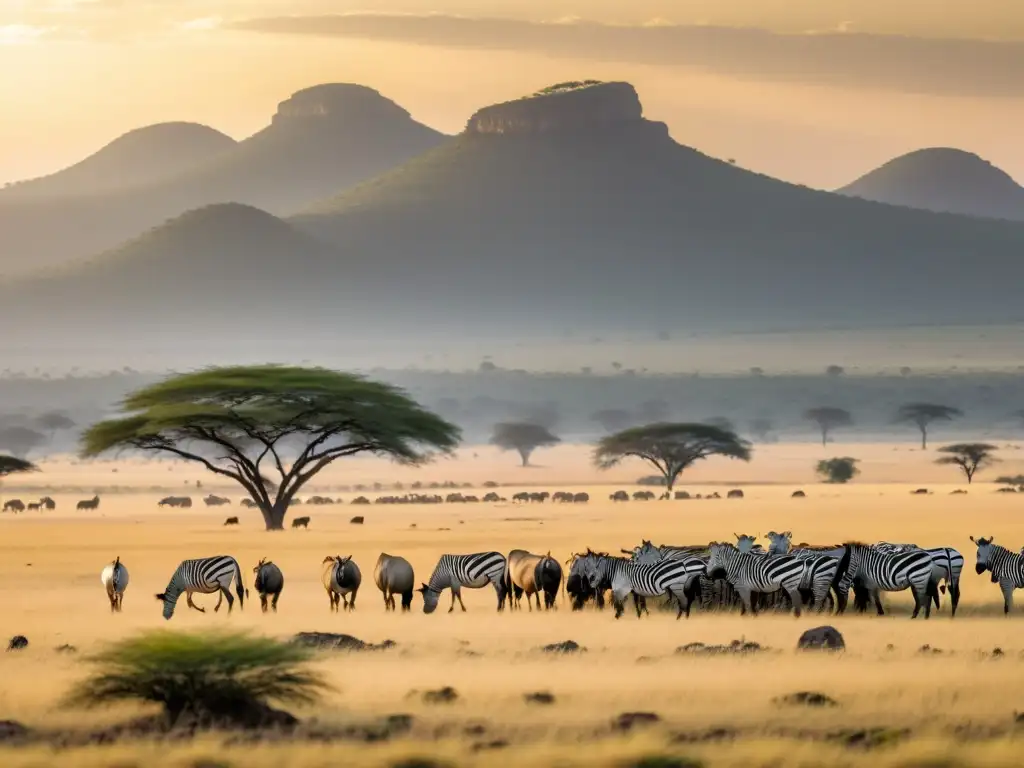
point(50, 592)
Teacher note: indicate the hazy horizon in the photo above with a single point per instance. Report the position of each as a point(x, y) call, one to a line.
point(817, 98)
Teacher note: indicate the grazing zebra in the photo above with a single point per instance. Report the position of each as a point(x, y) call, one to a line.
point(714, 593)
point(269, 581)
point(471, 571)
point(114, 578)
point(1006, 567)
point(577, 587)
point(750, 573)
point(677, 578)
point(879, 571)
point(947, 563)
point(819, 569)
point(93, 503)
point(205, 576)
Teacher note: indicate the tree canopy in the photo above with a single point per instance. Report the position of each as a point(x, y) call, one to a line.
point(9, 465)
point(970, 457)
point(828, 418)
point(670, 448)
point(245, 422)
point(841, 469)
point(522, 437)
point(923, 414)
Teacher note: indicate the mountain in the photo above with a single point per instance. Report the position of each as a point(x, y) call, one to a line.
point(321, 141)
point(563, 211)
point(139, 157)
point(946, 180)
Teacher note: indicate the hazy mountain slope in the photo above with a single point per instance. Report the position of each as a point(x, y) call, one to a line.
point(142, 156)
point(941, 179)
point(567, 211)
point(322, 140)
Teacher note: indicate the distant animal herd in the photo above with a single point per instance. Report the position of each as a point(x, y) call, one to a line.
point(715, 576)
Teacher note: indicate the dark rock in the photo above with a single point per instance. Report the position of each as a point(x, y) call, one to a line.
point(869, 738)
point(338, 642)
point(927, 650)
point(807, 699)
point(418, 762)
point(539, 697)
point(797, 495)
point(958, 492)
point(734, 494)
point(566, 646)
point(12, 732)
point(824, 638)
point(627, 721)
point(662, 761)
point(920, 492)
point(997, 653)
point(704, 737)
point(475, 729)
point(445, 695)
point(17, 643)
point(66, 649)
point(357, 520)
point(487, 745)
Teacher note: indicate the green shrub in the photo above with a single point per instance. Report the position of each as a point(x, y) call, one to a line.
point(202, 674)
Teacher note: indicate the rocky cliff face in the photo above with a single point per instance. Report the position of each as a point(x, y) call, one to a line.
point(583, 108)
point(338, 101)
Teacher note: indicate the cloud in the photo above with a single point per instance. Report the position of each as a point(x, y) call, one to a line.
point(839, 56)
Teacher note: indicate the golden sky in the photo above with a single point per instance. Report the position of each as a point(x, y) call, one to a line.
point(818, 97)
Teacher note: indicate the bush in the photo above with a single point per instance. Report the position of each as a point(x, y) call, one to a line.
point(838, 470)
point(219, 676)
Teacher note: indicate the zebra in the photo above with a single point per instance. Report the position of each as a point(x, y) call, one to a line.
point(458, 571)
point(714, 593)
point(1006, 567)
point(676, 578)
point(205, 575)
point(879, 570)
point(819, 569)
point(756, 573)
point(947, 563)
point(114, 578)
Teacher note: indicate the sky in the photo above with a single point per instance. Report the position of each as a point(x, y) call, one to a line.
point(812, 91)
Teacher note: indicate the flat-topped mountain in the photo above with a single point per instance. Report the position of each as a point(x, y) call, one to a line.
point(942, 179)
point(545, 217)
point(321, 140)
point(139, 157)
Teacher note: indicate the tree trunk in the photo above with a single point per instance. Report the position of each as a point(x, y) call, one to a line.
point(273, 517)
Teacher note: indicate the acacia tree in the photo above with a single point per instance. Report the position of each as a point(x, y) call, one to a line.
point(20, 441)
point(970, 457)
point(242, 422)
point(522, 437)
point(828, 418)
point(841, 469)
point(9, 465)
point(670, 448)
point(923, 414)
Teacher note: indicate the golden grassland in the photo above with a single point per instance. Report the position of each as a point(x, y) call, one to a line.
point(958, 706)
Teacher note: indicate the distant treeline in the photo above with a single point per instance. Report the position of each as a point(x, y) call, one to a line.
point(584, 406)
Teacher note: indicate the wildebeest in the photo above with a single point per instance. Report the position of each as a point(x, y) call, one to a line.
point(643, 495)
point(736, 493)
point(394, 576)
point(184, 502)
point(581, 498)
point(341, 577)
point(48, 503)
point(531, 574)
point(114, 578)
point(619, 496)
point(93, 503)
point(215, 501)
point(269, 581)
point(14, 505)
point(300, 522)
point(231, 521)
point(35, 506)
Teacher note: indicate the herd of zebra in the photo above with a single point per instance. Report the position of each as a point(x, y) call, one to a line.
point(718, 575)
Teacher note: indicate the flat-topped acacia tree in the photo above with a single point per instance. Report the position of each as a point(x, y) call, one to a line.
point(248, 422)
point(670, 448)
point(9, 465)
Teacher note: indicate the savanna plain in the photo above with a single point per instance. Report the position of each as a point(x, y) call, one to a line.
point(896, 705)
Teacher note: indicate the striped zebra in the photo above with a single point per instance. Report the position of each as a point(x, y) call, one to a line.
point(879, 571)
point(676, 578)
point(715, 594)
point(577, 587)
point(1006, 567)
point(819, 569)
point(750, 573)
point(947, 563)
point(471, 571)
point(205, 576)
point(114, 579)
